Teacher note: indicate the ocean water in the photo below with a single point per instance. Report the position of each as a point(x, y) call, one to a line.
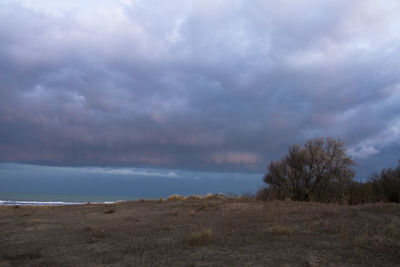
point(22, 184)
point(40, 199)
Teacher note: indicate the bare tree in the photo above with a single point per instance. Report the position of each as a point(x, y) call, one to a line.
point(319, 170)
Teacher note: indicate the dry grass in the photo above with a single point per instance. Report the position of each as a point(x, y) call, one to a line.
point(208, 196)
point(279, 230)
point(109, 211)
point(391, 230)
point(194, 197)
point(176, 197)
point(200, 238)
point(201, 231)
point(311, 260)
point(213, 196)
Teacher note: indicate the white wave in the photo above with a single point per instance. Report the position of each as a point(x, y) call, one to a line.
point(46, 203)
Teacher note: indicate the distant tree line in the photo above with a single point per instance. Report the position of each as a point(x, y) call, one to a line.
point(320, 170)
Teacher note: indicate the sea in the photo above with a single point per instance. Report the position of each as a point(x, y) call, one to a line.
point(40, 199)
point(34, 185)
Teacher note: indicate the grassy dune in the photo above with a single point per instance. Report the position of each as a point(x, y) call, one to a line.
point(201, 231)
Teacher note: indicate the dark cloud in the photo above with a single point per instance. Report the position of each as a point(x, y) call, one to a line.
point(212, 85)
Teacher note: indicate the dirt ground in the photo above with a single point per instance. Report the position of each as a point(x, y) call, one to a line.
point(202, 232)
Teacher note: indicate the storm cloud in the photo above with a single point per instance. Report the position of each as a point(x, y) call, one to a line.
point(205, 85)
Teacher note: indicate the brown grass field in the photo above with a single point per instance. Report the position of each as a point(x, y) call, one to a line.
point(201, 232)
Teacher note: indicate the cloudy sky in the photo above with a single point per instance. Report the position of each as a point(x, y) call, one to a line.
point(221, 85)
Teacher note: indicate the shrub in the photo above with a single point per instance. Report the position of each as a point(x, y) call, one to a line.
point(359, 193)
point(264, 193)
point(319, 170)
point(386, 185)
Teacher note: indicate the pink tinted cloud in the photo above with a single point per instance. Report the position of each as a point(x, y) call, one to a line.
point(234, 157)
point(133, 158)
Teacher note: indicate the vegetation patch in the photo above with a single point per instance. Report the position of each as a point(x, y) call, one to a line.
point(391, 230)
point(205, 232)
point(280, 230)
point(195, 197)
point(200, 238)
point(176, 197)
point(109, 211)
point(22, 256)
point(321, 171)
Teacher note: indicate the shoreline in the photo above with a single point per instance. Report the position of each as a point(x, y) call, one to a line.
point(34, 199)
point(7, 203)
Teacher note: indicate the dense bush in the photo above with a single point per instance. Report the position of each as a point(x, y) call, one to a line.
point(264, 193)
point(359, 193)
point(319, 170)
point(386, 185)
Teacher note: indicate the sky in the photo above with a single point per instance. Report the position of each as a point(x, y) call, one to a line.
point(35, 182)
point(201, 85)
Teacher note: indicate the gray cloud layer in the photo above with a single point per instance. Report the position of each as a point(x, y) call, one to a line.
point(197, 84)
